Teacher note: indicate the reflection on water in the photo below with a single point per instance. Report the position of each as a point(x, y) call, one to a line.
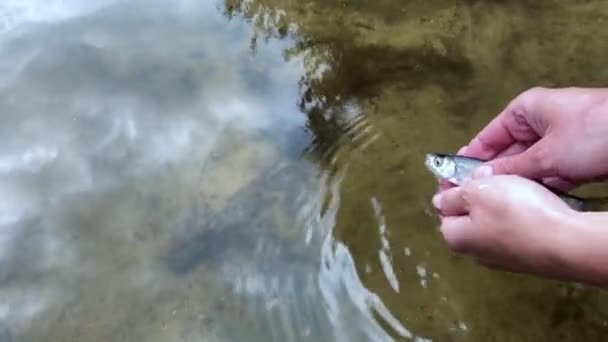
point(252, 170)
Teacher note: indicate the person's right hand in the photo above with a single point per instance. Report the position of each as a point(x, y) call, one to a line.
point(557, 135)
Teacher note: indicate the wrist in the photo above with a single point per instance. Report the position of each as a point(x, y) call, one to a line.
point(580, 250)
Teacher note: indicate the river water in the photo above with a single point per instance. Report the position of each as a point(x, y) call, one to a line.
point(253, 169)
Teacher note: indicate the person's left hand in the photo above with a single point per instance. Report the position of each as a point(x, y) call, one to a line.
point(505, 221)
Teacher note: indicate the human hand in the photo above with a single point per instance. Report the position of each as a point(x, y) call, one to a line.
point(505, 221)
point(557, 135)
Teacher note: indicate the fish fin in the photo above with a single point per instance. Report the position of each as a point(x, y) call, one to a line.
point(582, 203)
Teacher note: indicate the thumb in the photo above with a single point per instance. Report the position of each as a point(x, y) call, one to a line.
point(529, 164)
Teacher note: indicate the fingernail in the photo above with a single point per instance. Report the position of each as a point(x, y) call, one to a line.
point(437, 201)
point(483, 171)
point(462, 150)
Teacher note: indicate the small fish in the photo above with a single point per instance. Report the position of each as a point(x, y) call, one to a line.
point(456, 169)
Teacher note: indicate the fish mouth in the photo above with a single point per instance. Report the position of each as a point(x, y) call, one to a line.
point(428, 162)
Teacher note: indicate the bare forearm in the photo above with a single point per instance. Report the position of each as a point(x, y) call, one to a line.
point(582, 251)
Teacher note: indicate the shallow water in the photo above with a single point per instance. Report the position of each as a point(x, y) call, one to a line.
point(252, 170)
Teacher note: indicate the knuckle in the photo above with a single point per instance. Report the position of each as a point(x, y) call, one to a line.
point(527, 96)
point(530, 100)
point(544, 160)
point(535, 91)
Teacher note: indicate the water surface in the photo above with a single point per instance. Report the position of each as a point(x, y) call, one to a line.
point(252, 170)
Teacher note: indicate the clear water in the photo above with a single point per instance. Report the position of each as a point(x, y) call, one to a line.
point(253, 170)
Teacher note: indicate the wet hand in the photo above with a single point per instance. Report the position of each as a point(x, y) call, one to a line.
point(504, 221)
point(557, 135)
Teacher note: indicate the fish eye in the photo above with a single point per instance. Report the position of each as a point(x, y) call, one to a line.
point(438, 161)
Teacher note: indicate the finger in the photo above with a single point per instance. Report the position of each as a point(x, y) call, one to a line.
point(510, 126)
point(532, 163)
point(492, 139)
point(559, 184)
point(462, 151)
point(444, 185)
point(482, 172)
point(451, 202)
point(456, 231)
point(514, 149)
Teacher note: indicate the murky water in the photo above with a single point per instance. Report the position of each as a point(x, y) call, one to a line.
point(252, 170)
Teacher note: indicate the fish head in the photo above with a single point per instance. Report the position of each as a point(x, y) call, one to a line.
point(442, 166)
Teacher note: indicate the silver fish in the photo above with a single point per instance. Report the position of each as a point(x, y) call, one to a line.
point(457, 169)
point(450, 167)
